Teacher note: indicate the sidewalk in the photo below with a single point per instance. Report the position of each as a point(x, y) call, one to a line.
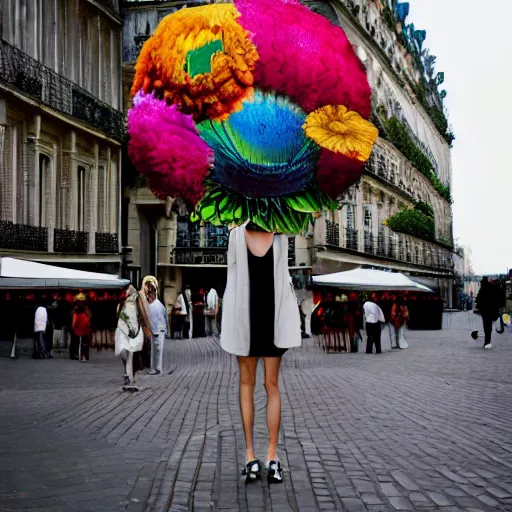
point(428, 428)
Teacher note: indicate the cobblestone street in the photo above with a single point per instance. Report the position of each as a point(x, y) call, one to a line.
point(428, 428)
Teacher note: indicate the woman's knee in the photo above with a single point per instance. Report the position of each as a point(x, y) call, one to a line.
point(247, 372)
point(248, 380)
point(271, 385)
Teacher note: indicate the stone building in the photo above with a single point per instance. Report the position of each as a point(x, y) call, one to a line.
point(61, 130)
point(405, 98)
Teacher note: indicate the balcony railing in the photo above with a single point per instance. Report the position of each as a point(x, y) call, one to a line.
point(192, 236)
point(65, 240)
point(369, 245)
point(392, 246)
point(332, 232)
point(351, 239)
point(23, 238)
point(45, 85)
point(107, 243)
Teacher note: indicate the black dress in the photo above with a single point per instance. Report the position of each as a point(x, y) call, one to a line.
point(262, 305)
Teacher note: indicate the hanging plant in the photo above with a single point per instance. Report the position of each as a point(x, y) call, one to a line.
point(413, 222)
point(396, 133)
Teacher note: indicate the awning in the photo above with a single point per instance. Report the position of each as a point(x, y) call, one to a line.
point(25, 274)
point(365, 279)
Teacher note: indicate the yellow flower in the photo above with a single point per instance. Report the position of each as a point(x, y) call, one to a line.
point(339, 130)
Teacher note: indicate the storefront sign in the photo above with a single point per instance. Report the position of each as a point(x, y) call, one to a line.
point(199, 257)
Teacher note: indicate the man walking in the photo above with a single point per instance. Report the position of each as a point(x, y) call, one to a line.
point(487, 303)
point(40, 349)
point(159, 322)
point(210, 313)
point(374, 316)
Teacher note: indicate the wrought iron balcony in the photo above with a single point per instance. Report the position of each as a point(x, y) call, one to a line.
point(332, 232)
point(22, 238)
point(369, 245)
point(107, 243)
point(351, 239)
point(65, 240)
point(392, 246)
point(45, 85)
point(191, 235)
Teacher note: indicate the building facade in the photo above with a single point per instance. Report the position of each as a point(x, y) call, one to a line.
point(364, 231)
point(410, 164)
point(61, 132)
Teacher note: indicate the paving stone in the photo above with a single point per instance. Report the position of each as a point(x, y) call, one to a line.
point(371, 499)
point(488, 500)
point(404, 481)
point(439, 499)
point(390, 490)
point(401, 503)
point(499, 493)
point(353, 505)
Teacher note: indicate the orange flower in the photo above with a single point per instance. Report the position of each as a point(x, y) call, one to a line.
point(199, 59)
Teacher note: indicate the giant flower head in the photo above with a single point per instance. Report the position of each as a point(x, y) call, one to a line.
point(256, 110)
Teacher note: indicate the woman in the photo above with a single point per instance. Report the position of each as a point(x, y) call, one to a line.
point(399, 317)
point(180, 313)
point(260, 320)
point(81, 332)
point(129, 334)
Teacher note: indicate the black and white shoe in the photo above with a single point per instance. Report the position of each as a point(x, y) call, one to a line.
point(252, 471)
point(274, 472)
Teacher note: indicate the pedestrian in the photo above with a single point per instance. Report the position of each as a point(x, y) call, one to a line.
point(398, 318)
point(260, 320)
point(129, 336)
point(188, 327)
point(180, 312)
point(210, 313)
point(81, 332)
point(487, 302)
point(40, 350)
point(374, 317)
point(159, 323)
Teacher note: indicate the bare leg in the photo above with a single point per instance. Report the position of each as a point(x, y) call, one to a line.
point(129, 368)
point(247, 367)
point(272, 365)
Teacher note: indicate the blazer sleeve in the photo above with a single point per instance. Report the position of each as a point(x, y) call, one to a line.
point(233, 234)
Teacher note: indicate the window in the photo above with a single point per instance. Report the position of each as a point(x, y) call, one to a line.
point(367, 218)
point(45, 196)
point(6, 173)
point(81, 197)
point(102, 200)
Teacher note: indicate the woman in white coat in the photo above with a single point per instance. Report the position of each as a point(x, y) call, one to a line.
point(260, 320)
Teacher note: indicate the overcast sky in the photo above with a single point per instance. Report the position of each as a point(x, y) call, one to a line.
point(472, 40)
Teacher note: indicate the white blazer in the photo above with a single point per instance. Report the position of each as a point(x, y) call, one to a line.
point(236, 334)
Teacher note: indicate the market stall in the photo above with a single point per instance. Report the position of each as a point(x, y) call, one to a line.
point(370, 280)
point(25, 285)
point(338, 299)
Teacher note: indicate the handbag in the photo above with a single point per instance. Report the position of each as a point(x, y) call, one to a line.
point(209, 312)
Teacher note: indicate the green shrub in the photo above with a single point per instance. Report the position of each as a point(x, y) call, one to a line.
point(400, 138)
point(414, 223)
point(425, 208)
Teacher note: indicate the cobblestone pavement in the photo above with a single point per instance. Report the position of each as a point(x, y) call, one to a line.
point(428, 428)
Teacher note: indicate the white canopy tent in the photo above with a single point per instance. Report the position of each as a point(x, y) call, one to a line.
point(16, 273)
point(370, 280)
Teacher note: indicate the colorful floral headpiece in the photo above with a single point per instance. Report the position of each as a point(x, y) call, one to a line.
point(256, 110)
